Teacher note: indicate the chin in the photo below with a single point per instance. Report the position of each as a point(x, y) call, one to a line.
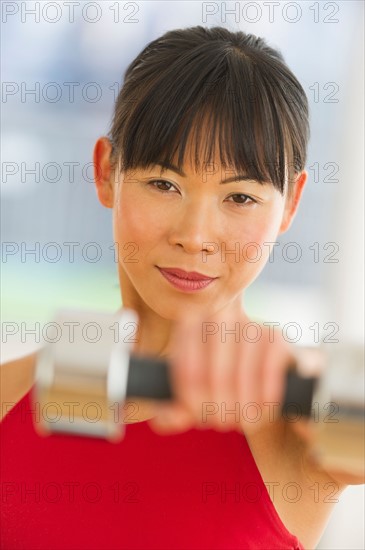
point(173, 310)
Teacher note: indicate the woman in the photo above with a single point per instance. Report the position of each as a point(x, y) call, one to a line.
point(203, 168)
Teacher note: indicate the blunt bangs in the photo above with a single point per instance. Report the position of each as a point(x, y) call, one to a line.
point(197, 89)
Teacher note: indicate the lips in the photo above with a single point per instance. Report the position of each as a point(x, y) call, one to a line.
point(188, 275)
point(186, 281)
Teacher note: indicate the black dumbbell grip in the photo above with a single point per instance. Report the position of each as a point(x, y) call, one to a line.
point(149, 377)
point(298, 394)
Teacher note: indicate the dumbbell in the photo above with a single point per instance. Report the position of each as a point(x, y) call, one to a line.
point(86, 371)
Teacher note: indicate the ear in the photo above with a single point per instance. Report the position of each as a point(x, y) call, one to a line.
point(292, 201)
point(103, 172)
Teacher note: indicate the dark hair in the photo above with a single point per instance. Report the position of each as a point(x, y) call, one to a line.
point(254, 106)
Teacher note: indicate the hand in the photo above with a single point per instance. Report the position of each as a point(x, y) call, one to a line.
point(215, 371)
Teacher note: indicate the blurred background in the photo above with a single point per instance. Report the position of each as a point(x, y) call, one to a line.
point(62, 67)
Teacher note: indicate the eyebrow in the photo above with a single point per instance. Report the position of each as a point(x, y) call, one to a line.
point(173, 168)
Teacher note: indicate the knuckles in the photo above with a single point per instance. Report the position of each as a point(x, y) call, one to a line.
point(207, 372)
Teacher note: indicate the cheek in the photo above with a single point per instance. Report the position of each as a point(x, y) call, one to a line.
point(134, 221)
point(258, 242)
point(257, 238)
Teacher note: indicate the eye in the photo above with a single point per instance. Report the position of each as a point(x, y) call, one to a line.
point(243, 199)
point(157, 183)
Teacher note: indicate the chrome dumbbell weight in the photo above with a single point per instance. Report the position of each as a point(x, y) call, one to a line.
point(85, 371)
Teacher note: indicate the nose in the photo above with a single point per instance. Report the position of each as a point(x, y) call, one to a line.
point(194, 227)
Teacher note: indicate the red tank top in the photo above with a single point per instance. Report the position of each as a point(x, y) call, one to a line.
point(196, 490)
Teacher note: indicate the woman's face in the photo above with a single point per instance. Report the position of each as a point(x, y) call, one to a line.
point(195, 222)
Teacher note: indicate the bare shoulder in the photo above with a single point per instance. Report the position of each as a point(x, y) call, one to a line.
point(16, 379)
